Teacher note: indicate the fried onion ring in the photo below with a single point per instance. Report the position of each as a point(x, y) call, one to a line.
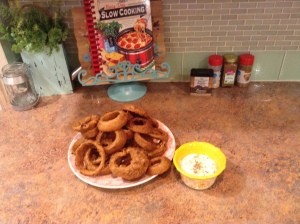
point(80, 154)
point(105, 170)
point(135, 110)
point(128, 133)
point(144, 141)
point(159, 151)
point(140, 125)
point(129, 164)
point(89, 134)
point(160, 134)
point(112, 121)
point(86, 123)
point(92, 159)
point(77, 143)
point(112, 141)
point(155, 123)
point(158, 165)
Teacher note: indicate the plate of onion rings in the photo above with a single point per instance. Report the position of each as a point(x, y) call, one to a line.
point(110, 182)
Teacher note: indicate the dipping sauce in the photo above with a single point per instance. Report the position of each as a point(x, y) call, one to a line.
point(198, 164)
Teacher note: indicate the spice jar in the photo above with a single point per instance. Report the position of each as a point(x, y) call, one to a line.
point(244, 70)
point(201, 81)
point(229, 70)
point(215, 63)
point(19, 86)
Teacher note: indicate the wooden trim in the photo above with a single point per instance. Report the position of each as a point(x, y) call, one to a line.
point(3, 96)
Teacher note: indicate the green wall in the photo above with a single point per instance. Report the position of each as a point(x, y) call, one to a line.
point(268, 65)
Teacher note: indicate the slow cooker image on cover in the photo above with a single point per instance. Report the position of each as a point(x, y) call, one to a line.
point(139, 55)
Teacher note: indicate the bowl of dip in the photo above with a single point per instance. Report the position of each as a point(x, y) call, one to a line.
point(199, 164)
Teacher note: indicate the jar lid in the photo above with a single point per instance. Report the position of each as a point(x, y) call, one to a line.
point(215, 60)
point(246, 59)
point(231, 58)
point(202, 72)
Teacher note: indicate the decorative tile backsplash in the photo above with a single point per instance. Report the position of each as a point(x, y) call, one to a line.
point(268, 65)
point(231, 25)
point(269, 29)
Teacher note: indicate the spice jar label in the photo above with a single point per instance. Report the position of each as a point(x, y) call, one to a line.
point(200, 85)
point(216, 79)
point(201, 81)
point(243, 77)
point(229, 77)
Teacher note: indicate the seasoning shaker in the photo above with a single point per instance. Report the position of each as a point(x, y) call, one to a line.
point(229, 70)
point(19, 86)
point(244, 70)
point(215, 63)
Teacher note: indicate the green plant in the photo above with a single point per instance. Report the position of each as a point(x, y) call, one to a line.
point(31, 28)
point(109, 29)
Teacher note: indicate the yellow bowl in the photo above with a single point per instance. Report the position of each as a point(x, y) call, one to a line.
point(204, 148)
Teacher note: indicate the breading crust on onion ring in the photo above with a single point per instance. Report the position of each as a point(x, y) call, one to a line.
point(128, 133)
point(87, 126)
point(130, 164)
point(112, 121)
point(135, 110)
point(92, 159)
point(159, 151)
point(86, 123)
point(158, 165)
point(92, 133)
point(140, 125)
point(138, 111)
point(144, 141)
point(112, 141)
point(80, 154)
point(158, 133)
point(77, 143)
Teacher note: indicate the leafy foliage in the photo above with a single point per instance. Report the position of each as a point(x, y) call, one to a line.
point(31, 28)
point(109, 29)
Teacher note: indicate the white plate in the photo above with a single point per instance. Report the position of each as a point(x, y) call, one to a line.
point(110, 182)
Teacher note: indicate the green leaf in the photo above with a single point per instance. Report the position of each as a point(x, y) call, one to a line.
point(31, 28)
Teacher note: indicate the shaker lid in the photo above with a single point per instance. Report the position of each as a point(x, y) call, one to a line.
point(246, 59)
point(215, 60)
point(230, 57)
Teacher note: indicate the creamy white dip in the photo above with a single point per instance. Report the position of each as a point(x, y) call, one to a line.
point(198, 164)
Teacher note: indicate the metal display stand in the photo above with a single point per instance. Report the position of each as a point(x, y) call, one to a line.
point(126, 79)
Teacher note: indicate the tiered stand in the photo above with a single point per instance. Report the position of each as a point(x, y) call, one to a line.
point(126, 79)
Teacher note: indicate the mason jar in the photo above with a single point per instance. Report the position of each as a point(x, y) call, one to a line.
point(19, 86)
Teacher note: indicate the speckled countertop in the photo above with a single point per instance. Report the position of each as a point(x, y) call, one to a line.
point(258, 128)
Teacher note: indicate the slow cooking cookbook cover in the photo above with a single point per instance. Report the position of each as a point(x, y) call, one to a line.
point(123, 32)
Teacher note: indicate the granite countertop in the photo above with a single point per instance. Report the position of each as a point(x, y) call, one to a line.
point(258, 129)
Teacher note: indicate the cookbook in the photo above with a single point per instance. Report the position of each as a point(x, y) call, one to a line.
point(120, 31)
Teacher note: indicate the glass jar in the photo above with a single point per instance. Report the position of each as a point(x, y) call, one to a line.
point(229, 70)
point(19, 86)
